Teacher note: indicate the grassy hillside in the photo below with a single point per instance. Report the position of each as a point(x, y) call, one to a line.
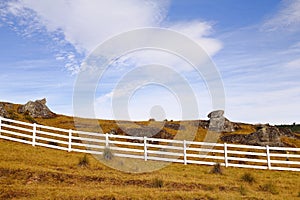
point(28, 172)
point(67, 122)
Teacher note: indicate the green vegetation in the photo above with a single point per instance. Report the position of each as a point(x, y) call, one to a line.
point(29, 118)
point(294, 127)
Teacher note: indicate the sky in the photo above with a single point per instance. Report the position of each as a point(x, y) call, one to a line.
point(255, 46)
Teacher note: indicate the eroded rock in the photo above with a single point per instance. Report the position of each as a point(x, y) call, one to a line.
point(37, 109)
point(265, 135)
point(3, 111)
point(219, 123)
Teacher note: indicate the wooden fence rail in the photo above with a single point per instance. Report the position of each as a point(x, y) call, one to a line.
point(186, 152)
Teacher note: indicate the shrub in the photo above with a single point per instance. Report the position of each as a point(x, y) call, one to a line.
point(84, 161)
point(269, 187)
point(217, 169)
point(298, 194)
point(157, 183)
point(248, 177)
point(29, 118)
point(107, 154)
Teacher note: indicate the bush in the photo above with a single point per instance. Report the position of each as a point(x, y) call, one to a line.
point(107, 154)
point(157, 183)
point(298, 194)
point(84, 161)
point(29, 118)
point(269, 187)
point(217, 169)
point(248, 177)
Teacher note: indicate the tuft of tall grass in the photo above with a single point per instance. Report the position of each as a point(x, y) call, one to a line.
point(248, 177)
point(243, 190)
point(217, 169)
point(84, 161)
point(157, 183)
point(269, 187)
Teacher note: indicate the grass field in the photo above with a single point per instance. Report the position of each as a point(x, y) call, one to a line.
point(28, 172)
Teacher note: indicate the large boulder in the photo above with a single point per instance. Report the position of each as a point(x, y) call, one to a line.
point(219, 123)
point(216, 114)
point(37, 109)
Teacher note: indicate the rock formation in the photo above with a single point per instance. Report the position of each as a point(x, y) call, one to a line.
point(265, 135)
point(3, 111)
point(219, 123)
point(37, 109)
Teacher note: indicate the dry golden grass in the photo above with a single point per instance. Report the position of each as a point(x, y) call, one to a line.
point(28, 172)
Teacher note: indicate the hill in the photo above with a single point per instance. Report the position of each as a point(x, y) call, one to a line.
point(28, 172)
point(38, 112)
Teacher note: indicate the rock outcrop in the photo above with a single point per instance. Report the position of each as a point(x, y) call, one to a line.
point(173, 126)
point(265, 135)
point(37, 109)
point(219, 123)
point(3, 111)
point(148, 132)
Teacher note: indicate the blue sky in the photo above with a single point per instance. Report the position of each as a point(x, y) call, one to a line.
point(254, 44)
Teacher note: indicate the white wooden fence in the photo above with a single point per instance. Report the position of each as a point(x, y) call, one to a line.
point(186, 152)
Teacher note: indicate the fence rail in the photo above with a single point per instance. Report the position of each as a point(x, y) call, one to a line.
point(186, 152)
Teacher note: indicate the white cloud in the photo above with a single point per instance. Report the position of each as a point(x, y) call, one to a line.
point(287, 18)
point(87, 23)
point(199, 31)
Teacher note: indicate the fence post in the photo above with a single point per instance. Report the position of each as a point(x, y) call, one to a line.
point(184, 152)
point(106, 140)
point(268, 157)
point(145, 148)
point(70, 141)
point(34, 134)
point(225, 155)
point(0, 125)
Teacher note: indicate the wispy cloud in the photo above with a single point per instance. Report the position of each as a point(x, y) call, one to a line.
point(77, 27)
point(78, 23)
point(287, 18)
